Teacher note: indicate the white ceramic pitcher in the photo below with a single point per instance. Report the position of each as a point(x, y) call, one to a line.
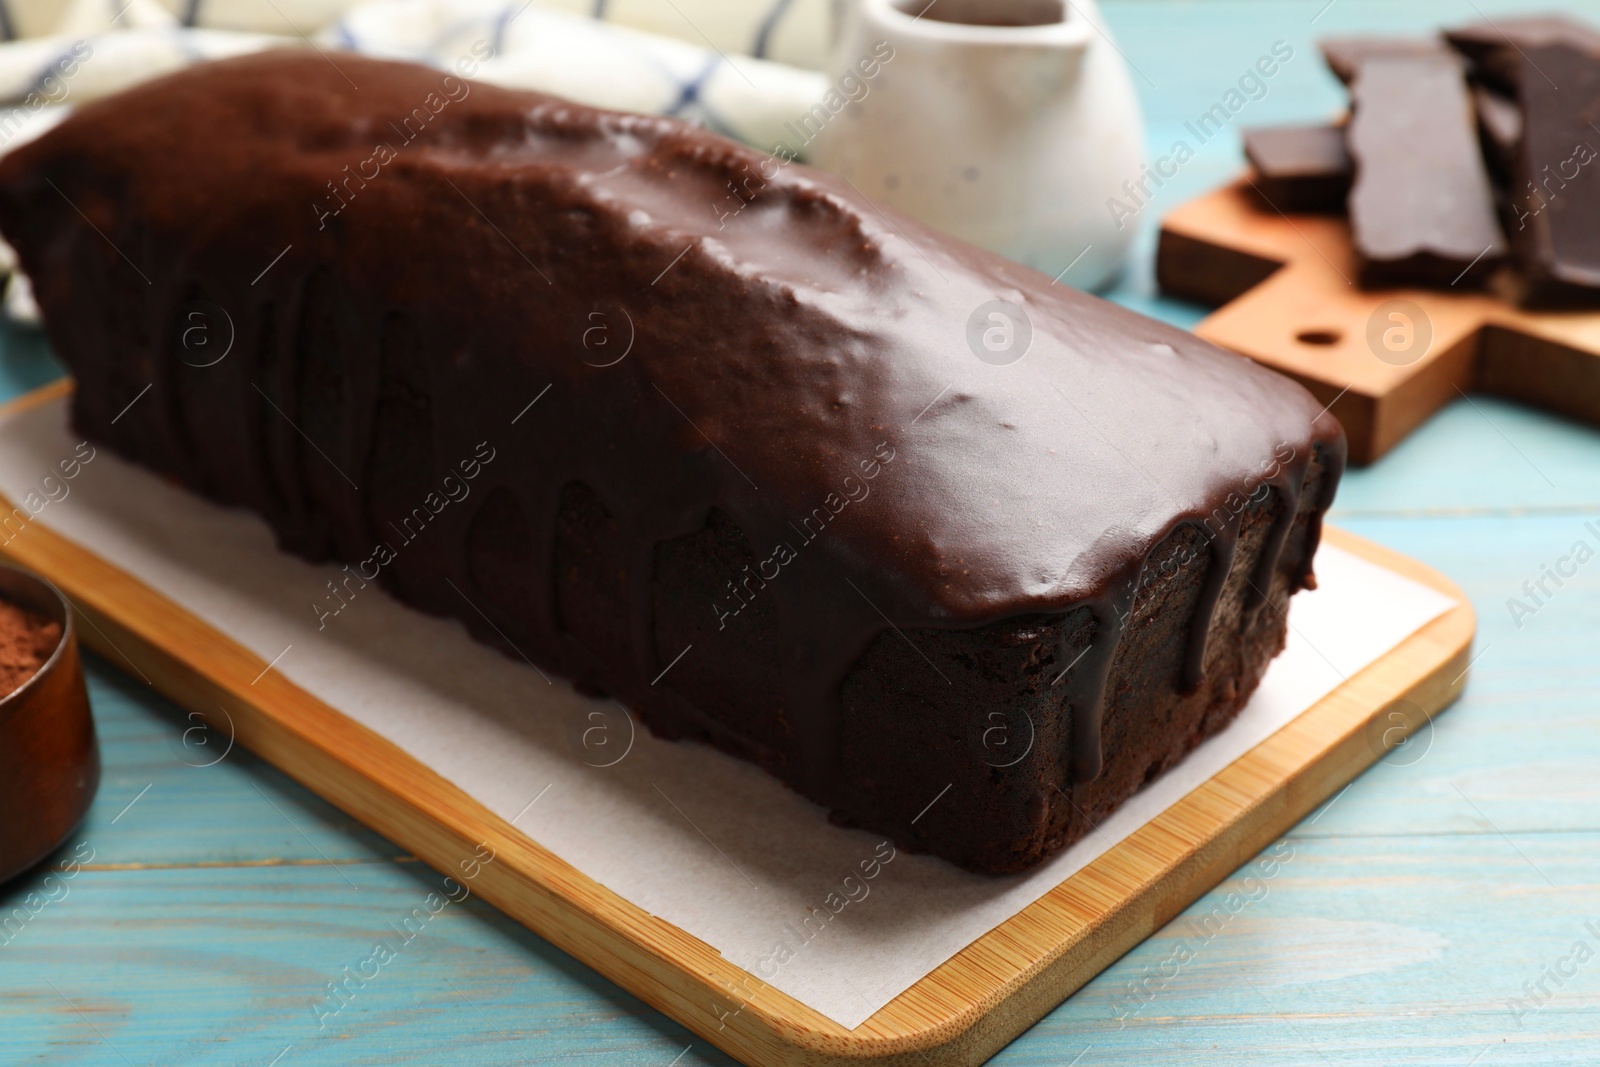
point(1009, 123)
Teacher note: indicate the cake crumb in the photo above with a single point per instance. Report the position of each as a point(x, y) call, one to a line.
point(26, 641)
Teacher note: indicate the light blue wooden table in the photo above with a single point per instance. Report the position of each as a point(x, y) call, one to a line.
point(221, 899)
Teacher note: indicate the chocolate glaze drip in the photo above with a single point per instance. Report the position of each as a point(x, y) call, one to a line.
point(1223, 547)
point(781, 344)
point(1086, 692)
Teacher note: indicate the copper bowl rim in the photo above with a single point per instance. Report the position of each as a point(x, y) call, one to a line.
point(68, 630)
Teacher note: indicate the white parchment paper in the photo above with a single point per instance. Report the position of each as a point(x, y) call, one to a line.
point(704, 841)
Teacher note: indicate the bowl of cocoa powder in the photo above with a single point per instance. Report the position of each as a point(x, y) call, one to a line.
point(49, 761)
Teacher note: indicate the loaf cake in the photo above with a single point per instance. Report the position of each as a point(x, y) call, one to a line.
point(962, 555)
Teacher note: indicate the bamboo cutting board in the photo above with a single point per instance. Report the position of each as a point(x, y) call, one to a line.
point(960, 1014)
point(1383, 361)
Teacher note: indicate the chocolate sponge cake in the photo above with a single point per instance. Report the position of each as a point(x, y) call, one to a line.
point(962, 555)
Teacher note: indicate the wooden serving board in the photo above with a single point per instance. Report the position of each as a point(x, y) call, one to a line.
point(960, 1014)
point(1285, 296)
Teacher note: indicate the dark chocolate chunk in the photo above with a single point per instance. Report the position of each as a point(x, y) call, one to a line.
point(1421, 206)
point(1552, 216)
point(1495, 48)
point(1300, 168)
point(1499, 128)
point(1344, 55)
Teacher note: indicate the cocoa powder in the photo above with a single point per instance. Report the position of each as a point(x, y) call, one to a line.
point(26, 641)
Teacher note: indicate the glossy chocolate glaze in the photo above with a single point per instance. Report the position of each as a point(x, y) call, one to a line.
point(786, 335)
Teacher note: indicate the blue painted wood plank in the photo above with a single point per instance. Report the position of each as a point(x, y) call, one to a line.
point(236, 965)
point(1334, 944)
point(1393, 950)
point(167, 798)
point(1412, 911)
point(1482, 455)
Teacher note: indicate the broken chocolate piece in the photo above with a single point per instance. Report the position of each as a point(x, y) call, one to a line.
point(1300, 168)
point(1421, 207)
point(1496, 48)
point(1344, 55)
point(1499, 128)
point(1553, 215)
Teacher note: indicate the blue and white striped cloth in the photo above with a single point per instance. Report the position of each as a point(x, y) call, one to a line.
point(606, 65)
point(786, 31)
